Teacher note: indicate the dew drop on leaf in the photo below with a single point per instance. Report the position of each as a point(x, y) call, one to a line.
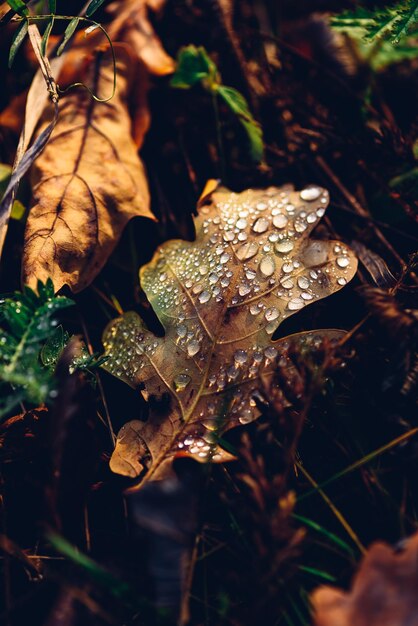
point(181, 381)
point(267, 266)
point(310, 193)
point(247, 251)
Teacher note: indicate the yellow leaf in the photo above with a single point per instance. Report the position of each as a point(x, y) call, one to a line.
point(220, 299)
point(88, 182)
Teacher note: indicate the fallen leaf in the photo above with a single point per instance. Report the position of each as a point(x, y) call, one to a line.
point(384, 591)
point(220, 298)
point(87, 184)
point(132, 26)
point(35, 104)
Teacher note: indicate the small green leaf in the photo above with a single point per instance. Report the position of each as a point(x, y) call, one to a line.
point(93, 6)
point(323, 531)
point(19, 6)
point(238, 105)
point(45, 36)
point(5, 173)
point(53, 347)
point(193, 66)
point(18, 211)
point(17, 41)
point(69, 31)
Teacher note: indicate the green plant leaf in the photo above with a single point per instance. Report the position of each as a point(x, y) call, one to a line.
point(27, 323)
point(19, 6)
point(392, 23)
point(69, 31)
point(93, 7)
point(238, 105)
point(52, 6)
point(194, 65)
point(17, 41)
point(45, 36)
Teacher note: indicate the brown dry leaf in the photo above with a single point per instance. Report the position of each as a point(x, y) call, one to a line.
point(88, 183)
point(384, 591)
point(220, 298)
point(132, 26)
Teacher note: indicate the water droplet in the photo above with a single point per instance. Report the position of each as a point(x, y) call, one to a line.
point(255, 309)
point(287, 268)
point(229, 235)
point(197, 288)
point(193, 347)
point(181, 330)
point(311, 218)
point(204, 297)
point(244, 289)
point(246, 416)
point(270, 352)
point(300, 225)
point(261, 206)
point(232, 372)
point(287, 283)
point(260, 225)
point(267, 266)
point(306, 296)
point(284, 246)
point(213, 278)
point(225, 257)
point(247, 251)
point(280, 221)
point(203, 269)
point(241, 223)
point(295, 303)
point(303, 282)
point(240, 357)
point(341, 281)
point(310, 193)
point(250, 274)
point(271, 314)
point(315, 254)
point(162, 277)
point(181, 381)
point(343, 261)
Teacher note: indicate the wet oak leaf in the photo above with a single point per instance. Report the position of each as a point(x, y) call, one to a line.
point(88, 183)
point(384, 591)
point(220, 299)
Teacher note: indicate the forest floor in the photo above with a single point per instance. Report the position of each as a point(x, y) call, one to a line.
point(256, 95)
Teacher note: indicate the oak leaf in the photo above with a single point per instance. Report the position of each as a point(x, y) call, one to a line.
point(88, 183)
point(384, 591)
point(220, 299)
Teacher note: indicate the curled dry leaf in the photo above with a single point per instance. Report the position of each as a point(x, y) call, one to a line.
point(88, 183)
point(384, 592)
point(220, 298)
point(132, 26)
